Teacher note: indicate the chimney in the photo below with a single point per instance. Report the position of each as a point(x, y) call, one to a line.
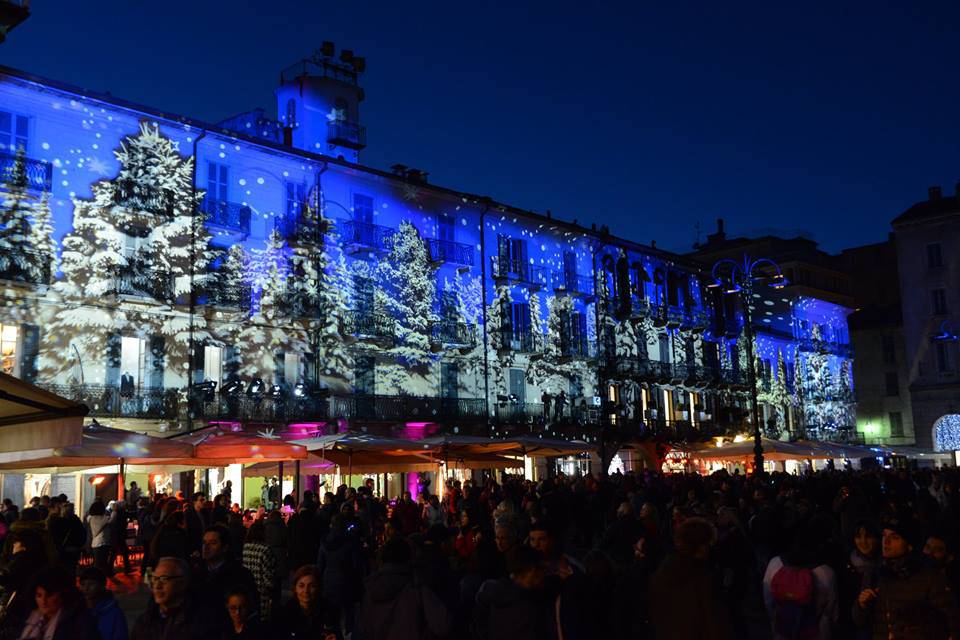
point(720, 233)
point(399, 169)
point(957, 191)
point(934, 192)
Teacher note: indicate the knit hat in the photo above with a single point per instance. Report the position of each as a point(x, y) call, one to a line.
point(905, 528)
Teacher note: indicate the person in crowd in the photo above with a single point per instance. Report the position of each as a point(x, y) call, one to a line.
point(800, 590)
point(518, 607)
point(111, 623)
point(909, 600)
point(118, 534)
point(699, 614)
point(243, 623)
point(59, 612)
point(433, 512)
point(622, 534)
point(99, 522)
point(196, 520)
point(395, 606)
point(408, 514)
point(26, 558)
point(261, 561)
point(306, 614)
point(171, 540)
point(939, 552)
point(862, 570)
point(505, 537)
point(172, 614)
point(10, 512)
point(133, 494)
point(341, 564)
point(218, 573)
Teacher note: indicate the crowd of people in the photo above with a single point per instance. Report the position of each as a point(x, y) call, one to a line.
point(845, 554)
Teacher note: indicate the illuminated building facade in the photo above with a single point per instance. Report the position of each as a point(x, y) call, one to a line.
point(171, 274)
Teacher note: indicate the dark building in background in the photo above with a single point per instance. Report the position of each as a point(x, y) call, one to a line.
point(927, 240)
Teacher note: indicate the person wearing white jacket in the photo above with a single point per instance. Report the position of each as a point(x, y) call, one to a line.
point(100, 523)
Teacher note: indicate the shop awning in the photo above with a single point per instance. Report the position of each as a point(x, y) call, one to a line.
point(99, 446)
point(772, 450)
point(34, 419)
point(221, 449)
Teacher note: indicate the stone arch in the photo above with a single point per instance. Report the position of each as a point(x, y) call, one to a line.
point(946, 433)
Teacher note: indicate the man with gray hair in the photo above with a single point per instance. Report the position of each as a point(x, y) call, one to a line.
point(170, 615)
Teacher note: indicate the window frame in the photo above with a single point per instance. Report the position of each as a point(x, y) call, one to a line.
point(12, 147)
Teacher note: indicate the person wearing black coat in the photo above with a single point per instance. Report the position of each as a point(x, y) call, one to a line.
point(306, 614)
point(219, 574)
point(26, 560)
point(396, 606)
point(57, 602)
point(340, 561)
point(518, 607)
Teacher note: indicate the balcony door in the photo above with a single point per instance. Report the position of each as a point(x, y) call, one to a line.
point(570, 270)
point(520, 322)
point(218, 179)
point(446, 228)
point(132, 365)
point(449, 381)
point(518, 385)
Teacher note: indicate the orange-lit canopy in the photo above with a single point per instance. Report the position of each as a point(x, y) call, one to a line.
point(34, 419)
point(220, 449)
point(99, 446)
point(772, 450)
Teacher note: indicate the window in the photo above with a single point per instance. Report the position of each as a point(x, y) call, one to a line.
point(520, 320)
point(889, 352)
point(934, 256)
point(213, 363)
point(511, 255)
point(943, 357)
point(295, 199)
point(362, 208)
point(217, 181)
point(892, 383)
point(896, 424)
point(291, 368)
point(446, 228)
point(518, 385)
point(132, 359)
point(13, 131)
point(8, 349)
point(939, 297)
point(291, 112)
point(665, 348)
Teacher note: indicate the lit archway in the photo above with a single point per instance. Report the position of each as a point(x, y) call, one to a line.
point(946, 433)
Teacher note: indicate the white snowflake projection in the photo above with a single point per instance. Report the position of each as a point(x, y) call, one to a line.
point(267, 434)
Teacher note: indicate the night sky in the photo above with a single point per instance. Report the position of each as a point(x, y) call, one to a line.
point(825, 120)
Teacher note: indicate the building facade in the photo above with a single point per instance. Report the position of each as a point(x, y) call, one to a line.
point(171, 274)
point(927, 240)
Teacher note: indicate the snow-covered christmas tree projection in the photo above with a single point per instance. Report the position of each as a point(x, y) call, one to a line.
point(136, 249)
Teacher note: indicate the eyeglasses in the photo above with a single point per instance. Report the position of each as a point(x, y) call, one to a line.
point(165, 579)
point(240, 607)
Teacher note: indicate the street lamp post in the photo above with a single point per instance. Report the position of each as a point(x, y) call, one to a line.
point(739, 277)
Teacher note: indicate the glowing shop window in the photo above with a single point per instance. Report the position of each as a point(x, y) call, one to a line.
point(8, 348)
point(213, 363)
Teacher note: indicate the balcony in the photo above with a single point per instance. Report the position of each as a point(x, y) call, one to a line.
point(451, 252)
point(508, 271)
point(582, 349)
point(573, 284)
point(370, 324)
point(347, 134)
point(109, 402)
point(226, 215)
point(138, 197)
point(286, 407)
point(518, 342)
point(297, 231)
point(455, 334)
point(694, 320)
point(359, 236)
point(234, 296)
point(28, 267)
point(137, 280)
point(37, 174)
point(826, 347)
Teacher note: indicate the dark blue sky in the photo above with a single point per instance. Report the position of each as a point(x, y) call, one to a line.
point(650, 116)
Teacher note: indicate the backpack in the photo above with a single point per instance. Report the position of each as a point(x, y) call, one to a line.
point(794, 603)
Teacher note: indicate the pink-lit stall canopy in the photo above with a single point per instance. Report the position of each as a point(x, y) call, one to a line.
point(34, 419)
point(99, 446)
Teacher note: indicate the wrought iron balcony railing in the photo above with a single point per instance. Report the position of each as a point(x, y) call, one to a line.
point(286, 407)
point(137, 280)
point(519, 341)
point(694, 320)
point(27, 266)
point(522, 273)
point(449, 251)
point(228, 215)
point(347, 134)
point(460, 334)
point(114, 402)
point(572, 283)
point(233, 295)
point(139, 197)
point(365, 234)
point(37, 174)
point(582, 349)
point(826, 346)
point(370, 324)
point(295, 230)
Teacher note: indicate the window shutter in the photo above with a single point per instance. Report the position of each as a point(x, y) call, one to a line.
point(112, 377)
point(31, 349)
point(156, 364)
point(196, 361)
point(310, 369)
point(278, 368)
point(231, 363)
